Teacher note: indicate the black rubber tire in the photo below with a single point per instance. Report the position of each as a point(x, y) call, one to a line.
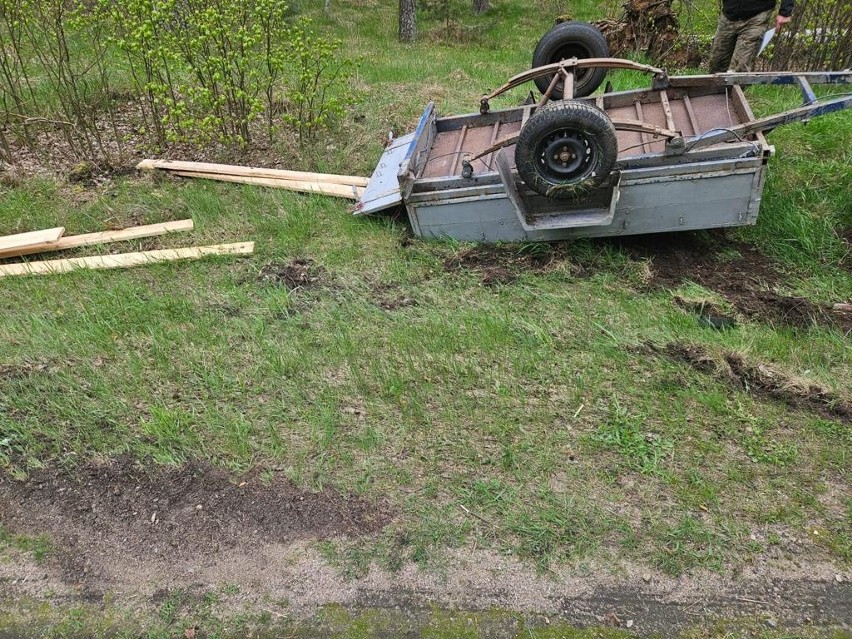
point(566, 148)
point(571, 40)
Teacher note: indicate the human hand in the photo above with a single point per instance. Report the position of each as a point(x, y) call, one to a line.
point(780, 21)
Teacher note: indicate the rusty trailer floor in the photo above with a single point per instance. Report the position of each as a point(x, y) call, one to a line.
point(691, 115)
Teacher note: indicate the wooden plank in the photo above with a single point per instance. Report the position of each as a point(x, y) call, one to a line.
point(693, 121)
point(23, 240)
point(667, 109)
point(248, 171)
point(457, 154)
point(494, 133)
point(644, 138)
point(124, 260)
point(743, 109)
point(336, 190)
point(103, 237)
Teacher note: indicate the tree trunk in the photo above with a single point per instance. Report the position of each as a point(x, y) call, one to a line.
point(481, 6)
point(407, 21)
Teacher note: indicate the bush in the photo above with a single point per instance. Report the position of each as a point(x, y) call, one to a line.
point(200, 72)
point(54, 75)
point(319, 92)
point(210, 69)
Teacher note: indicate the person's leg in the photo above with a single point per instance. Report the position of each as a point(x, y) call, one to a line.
point(724, 44)
point(748, 42)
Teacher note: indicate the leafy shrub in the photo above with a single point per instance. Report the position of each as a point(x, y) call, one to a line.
point(320, 90)
point(200, 71)
point(54, 74)
point(209, 69)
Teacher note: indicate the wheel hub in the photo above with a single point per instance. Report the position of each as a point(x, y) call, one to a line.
point(573, 51)
point(564, 155)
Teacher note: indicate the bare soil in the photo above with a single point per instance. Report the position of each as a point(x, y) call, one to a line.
point(103, 516)
point(298, 273)
point(748, 281)
point(292, 582)
point(501, 265)
point(763, 381)
point(128, 143)
point(390, 297)
point(137, 533)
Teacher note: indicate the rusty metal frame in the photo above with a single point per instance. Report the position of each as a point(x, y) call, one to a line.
point(567, 68)
point(619, 124)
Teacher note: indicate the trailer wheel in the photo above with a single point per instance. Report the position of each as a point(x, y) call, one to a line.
point(566, 148)
point(569, 40)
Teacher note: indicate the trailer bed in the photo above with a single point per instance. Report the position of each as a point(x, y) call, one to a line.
point(693, 115)
point(690, 155)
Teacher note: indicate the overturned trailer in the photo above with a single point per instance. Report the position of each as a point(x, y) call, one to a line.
point(685, 154)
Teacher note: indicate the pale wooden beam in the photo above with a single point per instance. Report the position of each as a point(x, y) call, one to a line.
point(336, 190)
point(23, 240)
point(124, 260)
point(103, 237)
point(249, 171)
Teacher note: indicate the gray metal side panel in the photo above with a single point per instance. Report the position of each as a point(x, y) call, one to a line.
point(725, 199)
point(383, 190)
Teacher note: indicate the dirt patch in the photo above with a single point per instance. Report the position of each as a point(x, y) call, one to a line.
point(708, 314)
point(692, 354)
point(9, 372)
point(298, 273)
point(122, 511)
point(389, 297)
point(500, 265)
point(763, 381)
point(738, 272)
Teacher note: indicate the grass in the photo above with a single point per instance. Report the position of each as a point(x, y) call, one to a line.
point(524, 419)
point(182, 611)
point(38, 547)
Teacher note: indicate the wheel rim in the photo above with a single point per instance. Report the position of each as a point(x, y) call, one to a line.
point(567, 52)
point(565, 156)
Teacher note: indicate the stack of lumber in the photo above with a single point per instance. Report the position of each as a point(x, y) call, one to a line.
point(54, 239)
point(346, 186)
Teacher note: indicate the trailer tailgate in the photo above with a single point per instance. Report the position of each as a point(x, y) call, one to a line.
point(383, 190)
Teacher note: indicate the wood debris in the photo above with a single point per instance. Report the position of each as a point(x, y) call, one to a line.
point(124, 260)
point(103, 237)
point(346, 186)
point(23, 241)
point(52, 240)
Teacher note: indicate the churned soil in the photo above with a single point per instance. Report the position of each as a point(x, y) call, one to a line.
point(763, 381)
point(119, 513)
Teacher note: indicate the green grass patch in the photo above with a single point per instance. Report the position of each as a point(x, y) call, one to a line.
point(39, 547)
point(524, 417)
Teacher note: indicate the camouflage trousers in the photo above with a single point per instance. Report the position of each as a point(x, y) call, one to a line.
point(737, 42)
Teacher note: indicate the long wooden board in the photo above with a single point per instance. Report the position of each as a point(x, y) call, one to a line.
point(249, 171)
point(125, 260)
point(336, 190)
point(103, 237)
point(23, 240)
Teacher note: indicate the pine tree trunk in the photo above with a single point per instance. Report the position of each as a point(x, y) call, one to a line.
point(407, 21)
point(481, 6)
